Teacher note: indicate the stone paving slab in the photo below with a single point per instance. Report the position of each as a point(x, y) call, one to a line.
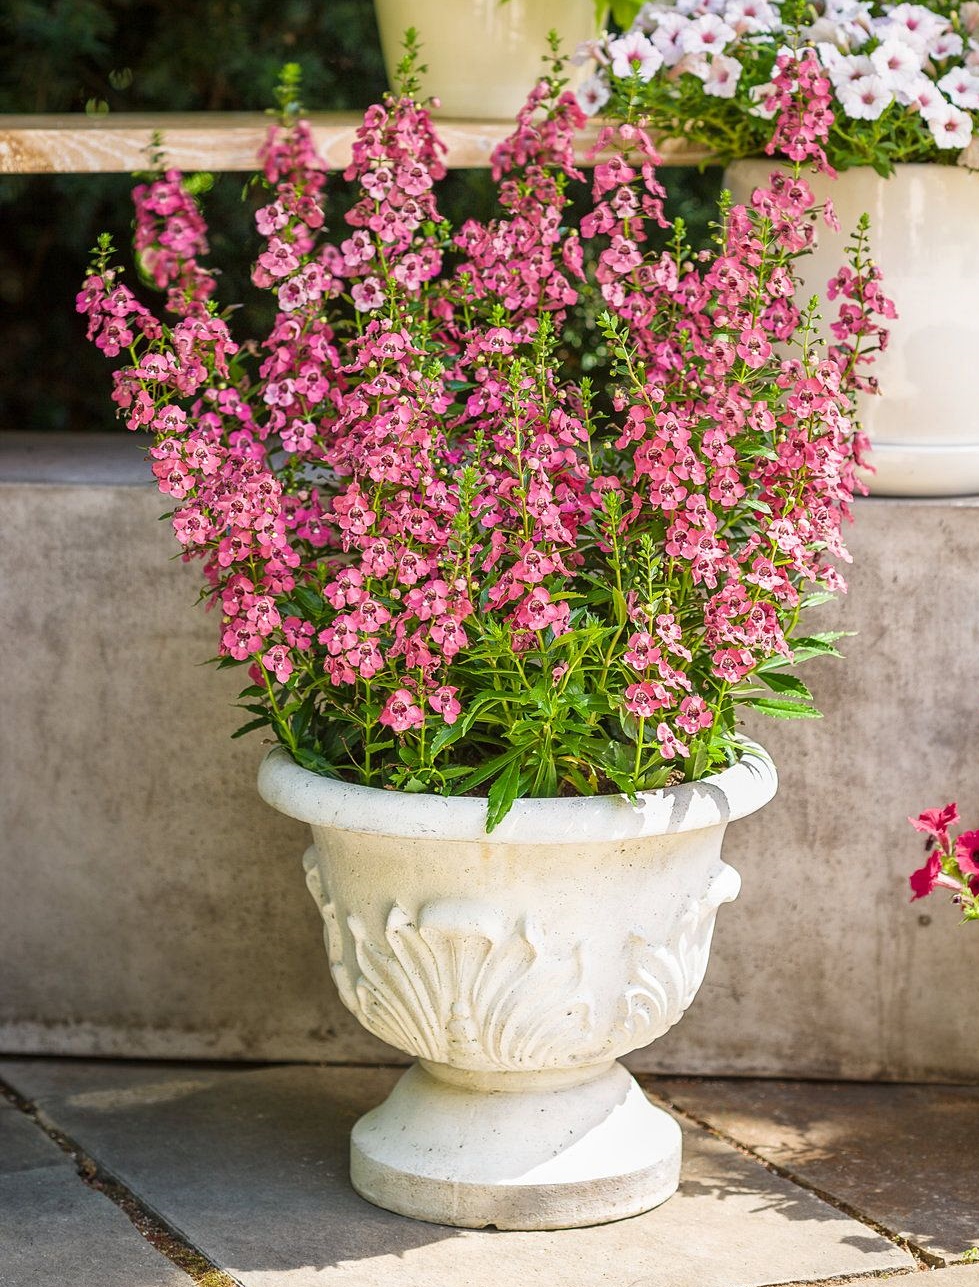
point(907, 1157)
point(55, 1231)
point(250, 1167)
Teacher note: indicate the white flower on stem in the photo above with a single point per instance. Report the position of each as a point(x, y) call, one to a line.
point(849, 68)
point(668, 37)
point(865, 98)
point(969, 13)
point(848, 11)
point(593, 94)
point(633, 54)
point(928, 99)
point(590, 51)
point(922, 94)
point(914, 23)
point(751, 16)
point(962, 87)
point(948, 45)
point(706, 35)
point(695, 65)
point(854, 23)
point(897, 63)
point(830, 56)
point(723, 76)
point(951, 128)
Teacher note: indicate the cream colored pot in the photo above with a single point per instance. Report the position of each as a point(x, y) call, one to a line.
point(482, 56)
point(517, 968)
point(925, 237)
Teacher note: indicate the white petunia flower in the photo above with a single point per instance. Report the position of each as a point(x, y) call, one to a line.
point(593, 94)
point(928, 99)
point(920, 93)
point(865, 98)
point(751, 16)
point(914, 23)
point(633, 54)
point(723, 78)
point(829, 54)
point(668, 37)
point(896, 62)
point(951, 128)
point(848, 68)
point(948, 45)
point(962, 87)
point(707, 35)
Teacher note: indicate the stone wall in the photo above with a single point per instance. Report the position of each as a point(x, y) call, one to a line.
point(151, 905)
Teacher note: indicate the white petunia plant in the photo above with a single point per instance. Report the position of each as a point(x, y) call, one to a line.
point(903, 79)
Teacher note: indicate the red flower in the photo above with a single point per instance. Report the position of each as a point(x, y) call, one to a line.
point(936, 822)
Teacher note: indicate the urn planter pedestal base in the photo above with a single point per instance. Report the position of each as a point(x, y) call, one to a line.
point(517, 967)
point(516, 1150)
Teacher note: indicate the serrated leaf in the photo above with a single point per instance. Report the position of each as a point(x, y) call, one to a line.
point(782, 708)
point(779, 682)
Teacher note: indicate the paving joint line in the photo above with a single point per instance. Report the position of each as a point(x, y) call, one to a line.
point(923, 1258)
point(149, 1224)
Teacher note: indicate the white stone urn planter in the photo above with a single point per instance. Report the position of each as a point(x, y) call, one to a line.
point(517, 968)
point(482, 56)
point(924, 234)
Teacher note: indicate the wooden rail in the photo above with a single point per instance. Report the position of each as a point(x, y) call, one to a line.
point(120, 143)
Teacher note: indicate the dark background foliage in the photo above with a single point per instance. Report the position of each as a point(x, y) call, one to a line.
point(151, 55)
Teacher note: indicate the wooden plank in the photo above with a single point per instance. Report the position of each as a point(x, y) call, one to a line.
point(120, 143)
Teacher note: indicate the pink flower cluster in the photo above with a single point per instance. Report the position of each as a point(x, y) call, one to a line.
point(429, 535)
point(951, 864)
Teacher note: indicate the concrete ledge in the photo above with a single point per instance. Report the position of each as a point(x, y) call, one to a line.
point(153, 906)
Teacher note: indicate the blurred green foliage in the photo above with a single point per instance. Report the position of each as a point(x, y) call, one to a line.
point(182, 55)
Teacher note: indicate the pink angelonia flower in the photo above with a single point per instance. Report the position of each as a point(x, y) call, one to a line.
point(443, 700)
point(537, 611)
point(669, 744)
point(277, 660)
point(645, 699)
point(694, 715)
point(368, 295)
point(753, 347)
point(401, 712)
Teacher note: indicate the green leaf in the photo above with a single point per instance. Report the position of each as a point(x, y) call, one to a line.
point(251, 726)
point(779, 682)
point(502, 794)
point(817, 597)
point(781, 708)
point(479, 776)
point(315, 762)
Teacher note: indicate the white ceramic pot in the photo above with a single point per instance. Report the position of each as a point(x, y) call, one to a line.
point(482, 56)
point(925, 237)
point(517, 968)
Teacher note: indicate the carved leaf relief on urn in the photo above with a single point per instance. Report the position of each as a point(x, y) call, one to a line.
point(443, 983)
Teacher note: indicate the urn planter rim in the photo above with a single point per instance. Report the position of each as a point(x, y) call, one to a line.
point(732, 793)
